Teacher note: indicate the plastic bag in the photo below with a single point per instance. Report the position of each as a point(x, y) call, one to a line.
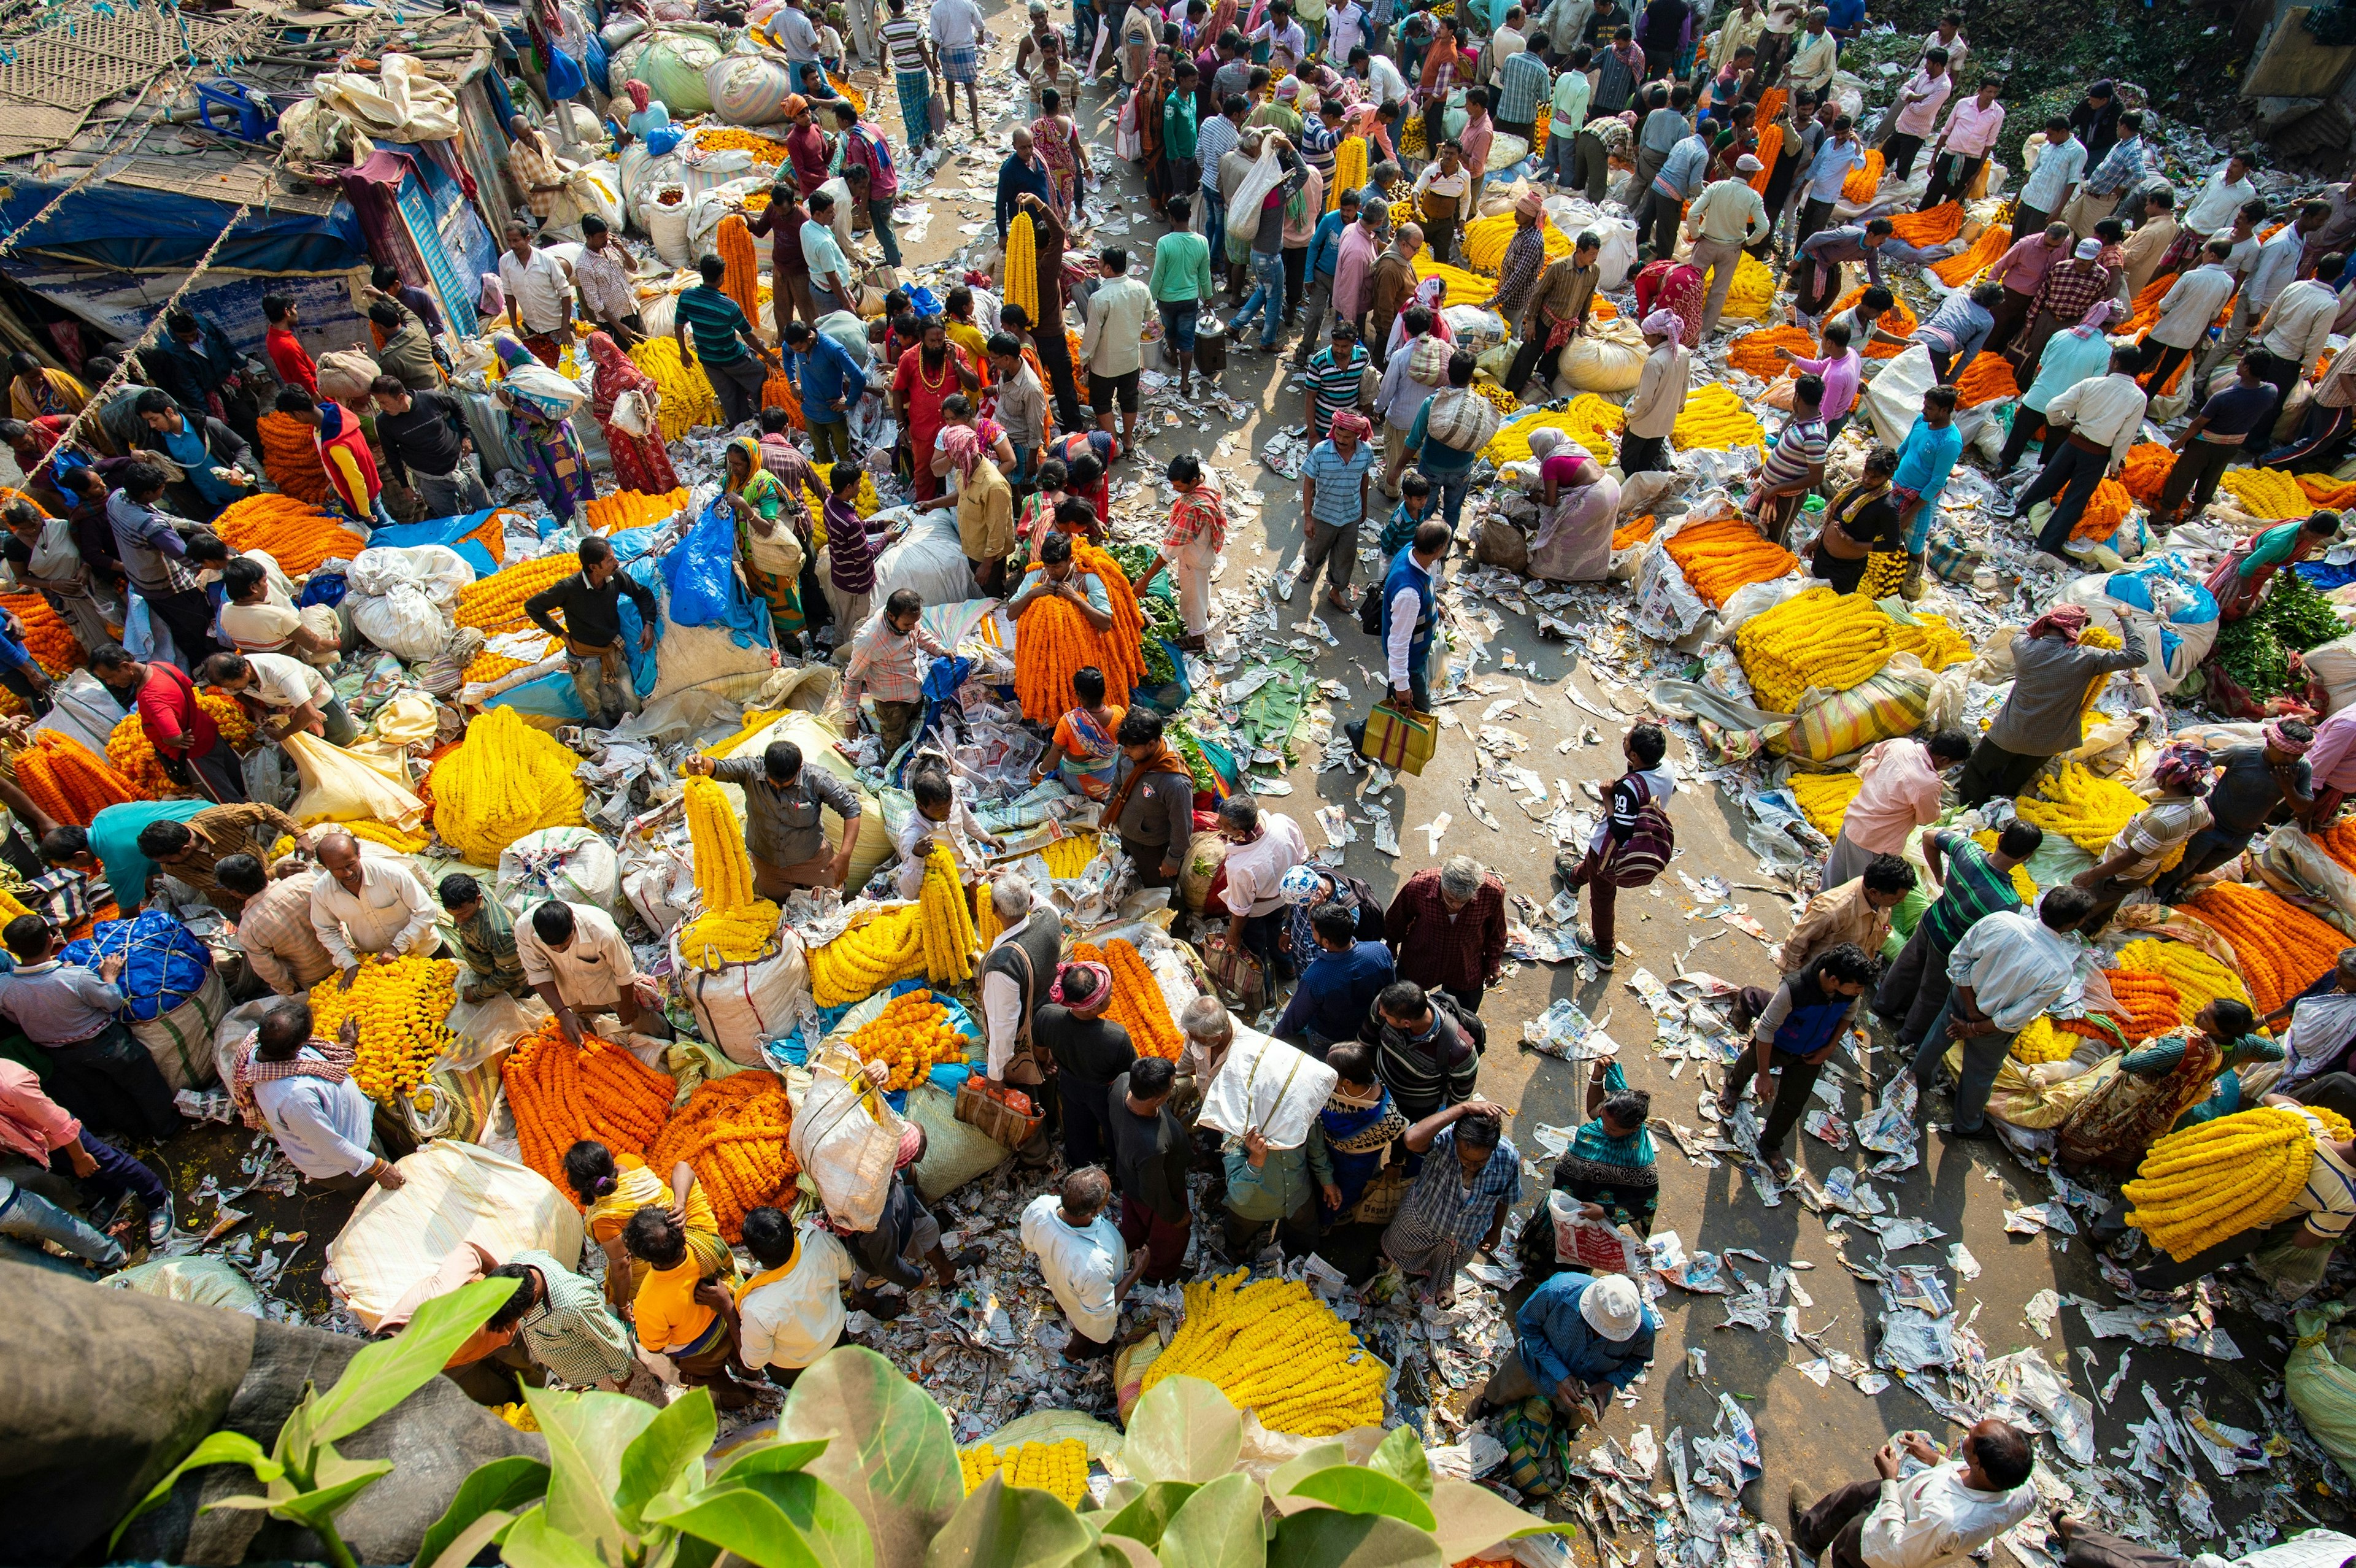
point(164, 962)
point(929, 559)
point(568, 863)
point(405, 601)
point(1609, 356)
point(702, 570)
point(2322, 1388)
point(1890, 704)
point(339, 786)
point(200, 1281)
point(847, 1140)
point(1267, 1087)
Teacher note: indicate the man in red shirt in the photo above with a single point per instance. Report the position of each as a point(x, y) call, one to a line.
point(806, 145)
point(867, 169)
point(186, 741)
point(287, 355)
point(781, 222)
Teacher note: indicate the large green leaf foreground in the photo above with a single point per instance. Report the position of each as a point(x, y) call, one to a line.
point(861, 1472)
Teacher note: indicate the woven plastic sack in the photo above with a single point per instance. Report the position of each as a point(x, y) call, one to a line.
point(2165, 599)
point(340, 786)
point(181, 1040)
point(1206, 854)
point(671, 59)
point(2322, 1388)
point(202, 1281)
point(955, 1153)
point(666, 222)
point(749, 87)
point(847, 1140)
point(739, 1007)
point(568, 863)
point(453, 1193)
point(1267, 1087)
point(1889, 705)
point(1609, 356)
point(166, 964)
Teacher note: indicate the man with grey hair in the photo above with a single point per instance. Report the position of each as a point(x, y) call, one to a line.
point(1471, 1176)
point(1447, 930)
point(1815, 55)
point(1086, 1264)
point(1261, 847)
point(1014, 976)
point(1209, 1032)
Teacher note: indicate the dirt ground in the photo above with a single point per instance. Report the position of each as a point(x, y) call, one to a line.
point(1812, 1435)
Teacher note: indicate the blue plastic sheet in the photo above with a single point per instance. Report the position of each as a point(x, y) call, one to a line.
point(326, 588)
point(2323, 577)
point(166, 964)
point(450, 532)
point(700, 571)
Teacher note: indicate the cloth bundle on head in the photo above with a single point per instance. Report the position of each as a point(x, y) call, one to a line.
point(912, 1144)
point(493, 301)
point(795, 103)
point(2067, 619)
point(640, 95)
point(2188, 768)
point(1097, 997)
point(1353, 424)
point(1530, 203)
point(2097, 317)
point(1663, 324)
point(963, 445)
point(1288, 88)
point(2280, 738)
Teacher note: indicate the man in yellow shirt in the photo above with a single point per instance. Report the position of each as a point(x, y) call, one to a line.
point(680, 1313)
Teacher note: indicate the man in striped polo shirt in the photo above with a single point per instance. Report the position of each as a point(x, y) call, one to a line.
point(1333, 379)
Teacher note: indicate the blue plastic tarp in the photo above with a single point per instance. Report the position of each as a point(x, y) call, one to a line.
point(448, 531)
point(705, 589)
point(127, 228)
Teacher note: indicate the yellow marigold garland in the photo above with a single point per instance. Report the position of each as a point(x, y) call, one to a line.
point(403, 1008)
point(495, 603)
point(2199, 979)
point(1483, 242)
point(1274, 1348)
point(1821, 639)
point(504, 780)
point(1349, 171)
point(384, 832)
point(1058, 1467)
point(1824, 798)
point(1716, 416)
point(949, 942)
point(2218, 1178)
point(2024, 886)
point(885, 947)
point(911, 1036)
point(1023, 265)
point(688, 399)
point(2266, 493)
point(1067, 857)
point(2040, 1042)
point(735, 925)
point(2086, 810)
point(1591, 421)
point(134, 756)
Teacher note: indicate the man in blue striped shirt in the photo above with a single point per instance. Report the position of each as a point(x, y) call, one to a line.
point(1523, 83)
point(1679, 182)
point(1334, 502)
point(1333, 379)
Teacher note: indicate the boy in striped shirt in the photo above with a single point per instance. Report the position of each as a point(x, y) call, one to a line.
point(1334, 377)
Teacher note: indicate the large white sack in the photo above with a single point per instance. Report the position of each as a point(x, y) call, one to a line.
point(737, 1006)
point(568, 863)
point(2168, 601)
point(848, 1139)
point(1268, 1087)
point(2334, 664)
point(1609, 356)
point(1894, 398)
point(451, 1193)
point(929, 558)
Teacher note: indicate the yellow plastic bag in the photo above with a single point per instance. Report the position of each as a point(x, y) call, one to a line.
point(339, 786)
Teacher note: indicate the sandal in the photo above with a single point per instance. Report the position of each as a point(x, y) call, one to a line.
point(1780, 1167)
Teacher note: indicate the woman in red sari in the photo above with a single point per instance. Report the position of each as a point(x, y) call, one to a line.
point(1674, 287)
point(640, 462)
point(929, 376)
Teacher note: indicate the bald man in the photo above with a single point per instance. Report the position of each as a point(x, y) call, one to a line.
point(366, 908)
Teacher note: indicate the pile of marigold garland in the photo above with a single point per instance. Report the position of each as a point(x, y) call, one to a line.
point(504, 780)
point(403, 1008)
point(1058, 1467)
point(733, 1132)
point(2216, 1180)
point(911, 1036)
point(560, 1095)
point(1274, 1348)
point(735, 925)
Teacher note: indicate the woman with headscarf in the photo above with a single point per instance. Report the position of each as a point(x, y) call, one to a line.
point(1674, 286)
point(34, 390)
point(1578, 504)
point(766, 547)
point(640, 462)
point(1861, 522)
point(649, 114)
point(985, 505)
point(1608, 1170)
point(1359, 1123)
point(2146, 1089)
point(1057, 140)
point(542, 428)
point(1082, 749)
point(2240, 579)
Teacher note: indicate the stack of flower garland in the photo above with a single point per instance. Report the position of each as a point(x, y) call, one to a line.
point(1824, 799)
point(1862, 183)
point(2086, 810)
point(1054, 640)
point(946, 918)
point(1067, 857)
point(1058, 1467)
point(742, 281)
point(2147, 1004)
point(495, 603)
point(1725, 555)
point(2281, 948)
point(2216, 1180)
point(1929, 638)
point(2145, 469)
point(632, 509)
point(1755, 351)
point(504, 780)
point(2042, 1041)
point(2266, 493)
point(67, 782)
point(1821, 638)
point(1984, 252)
point(404, 1009)
point(1752, 293)
point(47, 636)
point(736, 925)
point(1716, 416)
point(561, 1095)
point(384, 832)
point(296, 534)
point(1349, 171)
point(882, 948)
point(1138, 1004)
point(1591, 421)
point(1924, 230)
point(732, 1133)
point(688, 399)
point(1274, 1348)
point(1987, 380)
point(2199, 979)
point(911, 1036)
point(1023, 265)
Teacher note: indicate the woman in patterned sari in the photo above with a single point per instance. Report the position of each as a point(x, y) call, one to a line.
point(766, 547)
point(1057, 141)
point(612, 1190)
point(1082, 747)
point(2150, 1087)
point(1608, 1168)
point(641, 462)
point(542, 428)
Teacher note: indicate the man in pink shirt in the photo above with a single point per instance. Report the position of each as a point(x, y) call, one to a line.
point(2332, 766)
point(1918, 102)
point(2021, 270)
point(1356, 265)
point(1900, 793)
point(40, 1129)
point(1962, 149)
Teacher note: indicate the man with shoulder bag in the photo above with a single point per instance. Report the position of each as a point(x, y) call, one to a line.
point(1015, 977)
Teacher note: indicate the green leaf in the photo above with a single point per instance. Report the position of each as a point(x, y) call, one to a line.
point(1218, 1527)
point(1308, 1462)
point(460, 1550)
point(894, 1462)
point(786, 1520)
point(1401, 1456)
point(1119, 1493)
point(1355, 1488)
point(1012, 1527)
point(1120, 1552)
point(1182, 1430)
point(1473, 1519)
point(390, 1370)
point(218, 1448)
point(1324, 1538)
point(503, 1486)
point(769, 1458)
point(681, 1430)
point(316, 1510)
point(536, 1541)
point(587, 1434)
point(1145, 1516)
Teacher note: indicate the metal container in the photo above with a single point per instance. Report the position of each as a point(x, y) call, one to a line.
point(1210, 349)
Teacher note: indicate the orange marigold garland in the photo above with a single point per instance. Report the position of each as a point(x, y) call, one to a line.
point(2104, 514)
point(1634, 531)
point(1138, 1004)
point(1724, 555)
point(1755, 351)
point(777, 393)
point(297, 535)
point(47, 636)
point(561, 1095)
point(65, 780)
point(1987, 380)
point(2147, 1004)
point(742, 282)
point(1054, 640)
point(1968, 264)
point(1898, 321)
point(1937, 226)
point(2281, 949)
point(2145, 469)
point(732, 1132)
point(1770, 148)
point(1862, 183)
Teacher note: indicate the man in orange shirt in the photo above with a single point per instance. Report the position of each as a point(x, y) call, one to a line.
point(679, 1313)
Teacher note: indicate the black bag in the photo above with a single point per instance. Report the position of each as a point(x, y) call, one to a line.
point(1370, 610)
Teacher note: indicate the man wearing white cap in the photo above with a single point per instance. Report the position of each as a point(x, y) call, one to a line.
point(1725, 218)
point(1579, 1338)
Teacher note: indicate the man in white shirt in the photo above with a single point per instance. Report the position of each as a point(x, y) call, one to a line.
point(2009, 966)
point(2190, 303)
point(1261, 847)
point(1382, 78)
point(957, 29)
point(2103, 415)
point(539, 289)
point(363, 907)
point(2277, 265)
point(1816, 56)
point(1935, 1518)
point(2298, 329)
point(2221, 197)
point(1113, 343)
point(304, 1092)
point(1081, 1255)
point(574, 955)
point(1727, 215)
point(1660, 396)
point(294, 696)
point(791, 1313)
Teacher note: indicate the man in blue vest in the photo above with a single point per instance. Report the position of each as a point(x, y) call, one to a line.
point(1411, 613)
